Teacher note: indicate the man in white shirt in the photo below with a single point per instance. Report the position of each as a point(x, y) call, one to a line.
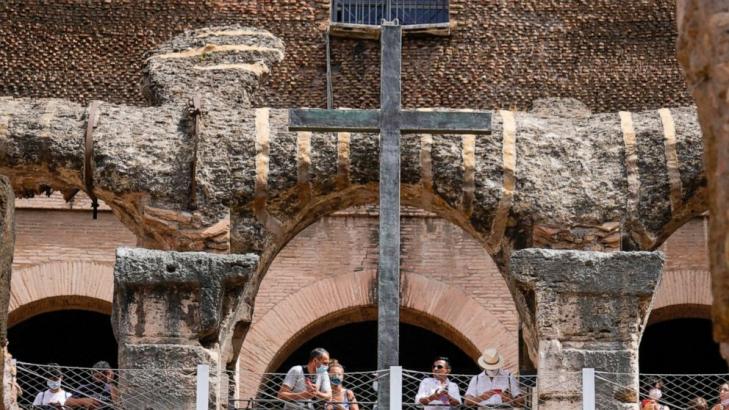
point(494, 385)
point(437, 392)
point(303, 384)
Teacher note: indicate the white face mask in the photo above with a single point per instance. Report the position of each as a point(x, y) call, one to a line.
point(655, 394)
point(54, 384)
point(492, 373)
point(725, 402)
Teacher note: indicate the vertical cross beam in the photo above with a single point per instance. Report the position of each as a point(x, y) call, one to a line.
point(388, 280)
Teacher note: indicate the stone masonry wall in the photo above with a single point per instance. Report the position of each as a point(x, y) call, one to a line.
point(48, 233)
point(612, 55)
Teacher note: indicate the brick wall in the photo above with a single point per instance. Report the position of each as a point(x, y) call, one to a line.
point(610, 54)
point(441, 265)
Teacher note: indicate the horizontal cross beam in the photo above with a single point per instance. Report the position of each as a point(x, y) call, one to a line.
point(411, 121)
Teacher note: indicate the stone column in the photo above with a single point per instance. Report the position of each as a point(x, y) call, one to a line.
point(703, 28)
point(586, 309)
point(7, 246)
point(168, 310)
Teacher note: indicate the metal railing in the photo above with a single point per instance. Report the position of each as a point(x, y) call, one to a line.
point(407, 12)
point(677, 391)
point(138, 388)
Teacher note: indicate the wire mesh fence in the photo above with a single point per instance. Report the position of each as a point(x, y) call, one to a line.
point(80, 387)
point(517, 392)
point(663, 391)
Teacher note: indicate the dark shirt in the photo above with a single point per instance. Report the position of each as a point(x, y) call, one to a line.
point(98, 391)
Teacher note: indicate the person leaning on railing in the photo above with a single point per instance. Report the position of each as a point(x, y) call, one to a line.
point(438, 392)
point(54, 397)
point(99, 393)
point(493, 386)
point(309, 382)
point(342, 399)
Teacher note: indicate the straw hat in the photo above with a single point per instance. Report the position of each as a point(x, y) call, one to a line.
point(491, 359)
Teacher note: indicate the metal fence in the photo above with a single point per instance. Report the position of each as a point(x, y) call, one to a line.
point(677, 391)
point(107, 388)
point(407, 12)
point(138, 388)
point(364, 386)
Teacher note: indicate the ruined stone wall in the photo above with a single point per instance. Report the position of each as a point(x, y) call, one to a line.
point(55, 240)
point(612, 55)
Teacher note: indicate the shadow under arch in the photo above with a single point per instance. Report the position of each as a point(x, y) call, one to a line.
point(426, 303)
point(57, 286)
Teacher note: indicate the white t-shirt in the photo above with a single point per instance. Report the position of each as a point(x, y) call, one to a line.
point(503, 381)
point(429, 385)
point(295, 379)
point(48, 397)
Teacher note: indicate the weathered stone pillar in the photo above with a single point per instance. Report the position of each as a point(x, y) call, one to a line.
point(703, 51)
point(586, 309)
point(7, 246)
point(168, 310)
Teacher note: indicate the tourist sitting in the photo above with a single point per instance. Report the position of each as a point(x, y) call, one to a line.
point(723, 398)
point(99, 393)
point(54, 396)
point(304, 384)
point(438, 392)
point(698, 403)
point(342, 399)
point(494, 385)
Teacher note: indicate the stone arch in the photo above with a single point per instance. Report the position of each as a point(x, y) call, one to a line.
point(682, 294)
point(60, 285)
point(323, 306)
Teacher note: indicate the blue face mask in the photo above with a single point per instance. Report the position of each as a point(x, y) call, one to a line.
point(336, 381)
point(321, 369)
point(54, 384)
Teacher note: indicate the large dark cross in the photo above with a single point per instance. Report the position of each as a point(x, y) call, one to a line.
point(390, 121)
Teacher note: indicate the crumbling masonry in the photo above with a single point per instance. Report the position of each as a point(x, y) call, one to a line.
point(204, 171)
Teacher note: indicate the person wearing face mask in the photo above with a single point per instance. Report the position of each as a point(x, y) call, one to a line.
point(494, 385)
point(342, 399)
point(438, 392)
point(723, 398)
point(654, 396)
point(308, 383)
point(54, 396)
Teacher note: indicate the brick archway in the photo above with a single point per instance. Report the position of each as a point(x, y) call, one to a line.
point(60, 286)
point(323, 306)
point(682, 294)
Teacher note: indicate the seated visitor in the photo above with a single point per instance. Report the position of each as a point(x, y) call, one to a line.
point(494, 385)
point(54, 396)
point(723, 398)
point(342, 398)
point(308, 383)
point(99, 393)
point(438, 392)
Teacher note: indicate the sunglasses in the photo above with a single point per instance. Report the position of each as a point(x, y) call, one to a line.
point(438, 366)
